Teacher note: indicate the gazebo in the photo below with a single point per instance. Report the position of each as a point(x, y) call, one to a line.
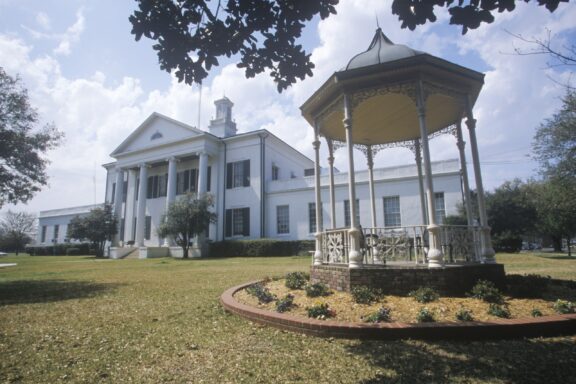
point(394, 96)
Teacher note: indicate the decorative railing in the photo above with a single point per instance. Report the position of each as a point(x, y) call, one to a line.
point(405, 244)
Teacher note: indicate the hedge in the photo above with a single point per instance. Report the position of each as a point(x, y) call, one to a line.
point(71, 249)
point(263, 247)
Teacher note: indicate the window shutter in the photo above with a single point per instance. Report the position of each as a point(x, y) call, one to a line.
point(208, 178)
point(149, 188)
point(228, 222)
point(187, 180)
point(246, 173)
point(246, 221)
point(113, 193)
point(229, 175)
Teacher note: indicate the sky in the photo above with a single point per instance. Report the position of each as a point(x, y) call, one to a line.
point(85, 73)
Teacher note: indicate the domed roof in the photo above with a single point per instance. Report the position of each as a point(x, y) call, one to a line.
point(381, 50)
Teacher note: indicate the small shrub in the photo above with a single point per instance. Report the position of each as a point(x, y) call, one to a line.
point(563, 307)
point(285, 304)
point(425, 315)
point(487, 291)
point(317, 290)
point(365, 295)
point(73, 252)
point(296, 280)
point(261, 293)
point(529, 286)
point(499, 311)
point(381, 315)
point(320, 311)
point(464, 314)
point(536, 313)
point(424, 295)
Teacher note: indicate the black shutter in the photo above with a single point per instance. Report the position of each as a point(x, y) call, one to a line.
point(246, 221)
point(228, 223)
point(208, 178)
point(154, 187)
point(113, 193)
point(124, 191)
point(194, 180)
point(246, 173)
point(187, 180)
point(149, 188)
point(229, 175)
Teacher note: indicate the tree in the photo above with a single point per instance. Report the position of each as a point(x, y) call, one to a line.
point(22, 143)
point(97, 227)
point(187, 218)
point(192, 35)
point(16, 230)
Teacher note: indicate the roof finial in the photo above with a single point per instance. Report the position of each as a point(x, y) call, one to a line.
point(377, 23)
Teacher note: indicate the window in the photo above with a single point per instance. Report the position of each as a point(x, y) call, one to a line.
point(187, 181)
point(56, 233)
point(440, 213)
point(43, 238)
point(282, 219)
point(157, 186)
point(121, 229)
point(238, 174)
point(292, 175)
point(309, 172)
point(347, 222)
point(238, 222)
point(275, 172)
point(392, 216)
point(148, 228)
point(312, 217)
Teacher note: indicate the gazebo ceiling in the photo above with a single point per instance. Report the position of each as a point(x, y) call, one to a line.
point(381, 85)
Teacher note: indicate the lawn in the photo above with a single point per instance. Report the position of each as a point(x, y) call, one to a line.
point(79, 319)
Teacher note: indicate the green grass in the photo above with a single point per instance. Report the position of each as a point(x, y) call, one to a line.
point(76, 319)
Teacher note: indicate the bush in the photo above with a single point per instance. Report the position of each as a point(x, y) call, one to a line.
point(381, 315)
point(464, 314)
point(317, 290)
point(261, 247)
point(296, 280)
point(563, 307)
point(59, 249)
point(321, 311)
point(487, 291)
point(499, 311)
point(261, 293)
point(424, 295)
point(365, 295)
point(425, 315)
point(536, 313)
point(530, 286)
point(285, 304)
point(507, 242)
point(73, 252)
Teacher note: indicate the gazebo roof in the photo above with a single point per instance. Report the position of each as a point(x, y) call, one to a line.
point(381, 83)
point(381, 50)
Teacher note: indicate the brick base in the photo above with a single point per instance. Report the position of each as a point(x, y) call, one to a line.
point(399, 280)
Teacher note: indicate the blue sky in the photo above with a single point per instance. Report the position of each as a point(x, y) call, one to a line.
point(85, 73)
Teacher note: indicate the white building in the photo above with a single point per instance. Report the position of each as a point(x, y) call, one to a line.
point(53, 224)
point(262, 187)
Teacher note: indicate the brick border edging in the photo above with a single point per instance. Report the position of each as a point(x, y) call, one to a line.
point(554, 325)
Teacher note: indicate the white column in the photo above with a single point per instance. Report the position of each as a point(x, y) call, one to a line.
point(317, 190)
point(370, 163)
point(435, 257)
point(118, 204)
point(130, 205)
point(487, 250)
point(170, 192)
point(141, 210)
point(463, 168)
point(331, 181)
point(202, 173)
point(354, 255)
point(418, 159)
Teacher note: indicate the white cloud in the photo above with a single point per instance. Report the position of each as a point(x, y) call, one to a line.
point(71, 36)
point(43, 20)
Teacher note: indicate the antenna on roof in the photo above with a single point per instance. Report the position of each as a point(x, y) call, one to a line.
point(377, 23)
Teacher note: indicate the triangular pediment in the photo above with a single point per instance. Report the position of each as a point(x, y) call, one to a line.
point(156, 130)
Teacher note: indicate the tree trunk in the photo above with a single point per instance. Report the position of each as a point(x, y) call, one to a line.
point(557, 243)
point(568, 245)
point(185, 252)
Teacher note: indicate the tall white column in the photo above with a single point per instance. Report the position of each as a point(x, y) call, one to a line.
point(331, 186)
point(118, 204)
point(418, 159)
point(435, 257)
point(487, 250)
point(202, 173)
point(130, 205)
point(461, 144)
point(318, 192)
point(370, 163)
point(141, 210)
point(170, 192)
point(354, 255)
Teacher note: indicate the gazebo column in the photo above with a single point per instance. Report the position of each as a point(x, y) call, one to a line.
point(170, 193)
point(354, 255)
point(418, 159)
point(370, 164)
point(487, 250)
point(118, 204)
point(461, 144)
point(331, 181)
point(141, 210)
point(435, 257)
point(319, 227)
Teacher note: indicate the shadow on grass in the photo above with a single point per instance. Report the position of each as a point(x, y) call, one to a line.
point(45, 291)
point(559, 257)
point(512, 361)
